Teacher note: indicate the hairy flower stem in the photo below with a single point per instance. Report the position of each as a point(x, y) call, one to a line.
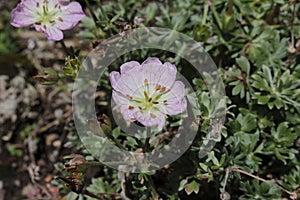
point(149, 180)
point(147, 177)
point(147, 141)
point(91, 10)
point(65, 48)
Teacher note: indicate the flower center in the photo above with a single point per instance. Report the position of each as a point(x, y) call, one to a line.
point(47, 14)
point(147, 102)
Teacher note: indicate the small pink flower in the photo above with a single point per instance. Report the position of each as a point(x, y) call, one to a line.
point(48, 16)
point(148, 92)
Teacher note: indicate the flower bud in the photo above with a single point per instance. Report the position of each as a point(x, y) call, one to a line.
point(49, 77)
point(71, 67)
point(105, 124)
point(101, 125)
point(228, 23)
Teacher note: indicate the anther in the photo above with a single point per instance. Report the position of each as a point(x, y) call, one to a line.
point(146, 82)
point(146, 95)
point(152, 115)
point(163, 89)
point(157, 87)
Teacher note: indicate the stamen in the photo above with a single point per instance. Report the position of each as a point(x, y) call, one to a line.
point(129, 97)
point(146, 95)
point(146, 82)
point(150, 100)
point(130, 107)
point(152, 115)
point(52, 21)
point(56, 5)
point(157, 87)
point(155, 102)
point(163, 89)
point(60, 19)
point(37, 23)
point(37, 4)
point(45, 1)
point(133, 119)
point(45, 27)
point(140, 108)
point(44, 9)
point(165, 101)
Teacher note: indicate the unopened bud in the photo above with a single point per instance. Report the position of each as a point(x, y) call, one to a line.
point(77, 163)
point(49, 77)
point(71, 67)
point(100, 126)
point(105, 124)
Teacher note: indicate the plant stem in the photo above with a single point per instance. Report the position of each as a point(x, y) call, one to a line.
point(65, 48)
point(236, 169)
point(98, 2)
point(147, 177)
point(154, 193)
point(91, 10)
point(147, 141)
point(205, 14)
point(230, 7)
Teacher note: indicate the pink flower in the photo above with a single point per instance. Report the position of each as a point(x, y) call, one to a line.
point(48, 16)
point(148, 92)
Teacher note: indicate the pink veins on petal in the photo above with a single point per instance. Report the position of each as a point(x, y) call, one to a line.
point(148, 92)
point(48, 16)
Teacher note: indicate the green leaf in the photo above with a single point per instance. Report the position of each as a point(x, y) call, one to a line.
point(263, 99)
point(237, 89)
point(244, 64)
point(192, 187)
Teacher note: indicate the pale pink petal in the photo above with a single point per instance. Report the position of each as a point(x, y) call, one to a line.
point(175, 102)
point(51, 4)
point(64, 2)
point(127, 113)
point(176, 107)
point(129, 83)
point(155, 119)
point(21, 16)
point(158, 73)
point(126, 67)
point(114, 77)
point(71, 14)
point(31, 5)
point(39, 28)
point(120, 99)
point(176, 92)
point(152, 61)
point(168, 75)
point(54, 33)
